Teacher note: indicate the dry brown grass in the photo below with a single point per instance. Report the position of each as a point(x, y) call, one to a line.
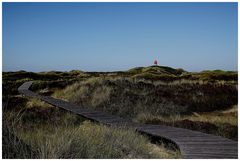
point(47, 132)
point(92, 141)
point(211, 117)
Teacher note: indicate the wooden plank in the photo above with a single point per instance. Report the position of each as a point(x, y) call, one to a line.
point(210, 151)
point(202, 156)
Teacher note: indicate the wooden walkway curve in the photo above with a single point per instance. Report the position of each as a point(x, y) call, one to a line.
point(192, 144)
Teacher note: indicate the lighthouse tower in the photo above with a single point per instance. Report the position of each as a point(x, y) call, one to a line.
point(155, 62)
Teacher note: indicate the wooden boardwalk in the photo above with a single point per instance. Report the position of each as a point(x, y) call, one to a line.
point(192, 144)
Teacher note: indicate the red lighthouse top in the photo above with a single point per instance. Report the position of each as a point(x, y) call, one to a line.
point(155, 62)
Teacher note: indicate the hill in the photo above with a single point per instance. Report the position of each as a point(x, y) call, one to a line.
point(157, 70)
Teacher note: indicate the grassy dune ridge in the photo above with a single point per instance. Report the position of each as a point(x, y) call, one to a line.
point(34, 129)
point(155, 95)
point(134, 97)
point(189, 103)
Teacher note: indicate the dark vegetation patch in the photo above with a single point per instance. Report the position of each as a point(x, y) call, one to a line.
point(13, 147)
point(12, 80)
point(130, 98)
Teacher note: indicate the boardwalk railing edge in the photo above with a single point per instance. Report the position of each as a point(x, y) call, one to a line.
point(192, 144)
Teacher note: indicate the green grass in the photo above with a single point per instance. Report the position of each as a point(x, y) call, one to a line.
point(12, 146)
point(90, 141)
point(38, 130)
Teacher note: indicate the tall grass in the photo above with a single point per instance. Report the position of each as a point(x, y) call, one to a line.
point(12, 146)
point(45, 132)
point(91, 141)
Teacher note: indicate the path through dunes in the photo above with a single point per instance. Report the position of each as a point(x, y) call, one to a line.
point(192, 144)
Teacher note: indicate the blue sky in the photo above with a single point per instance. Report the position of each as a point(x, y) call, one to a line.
point(119, 36)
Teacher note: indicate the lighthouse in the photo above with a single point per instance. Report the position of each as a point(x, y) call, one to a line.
point(155, 62)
